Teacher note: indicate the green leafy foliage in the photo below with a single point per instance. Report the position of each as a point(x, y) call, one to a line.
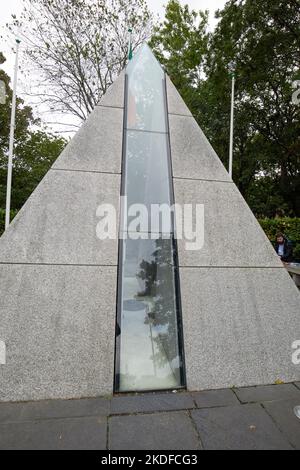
point(262, 38)
point(13, 213)
point(180, 43)
point(266, 51)
point(33, 157)
point(290, 227)
point(35, 150)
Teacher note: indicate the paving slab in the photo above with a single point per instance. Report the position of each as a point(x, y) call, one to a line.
point(114, 96)
point(297, 384)
point(243, 339)
point(97, 146)
point(82, 424)
point(31, 411)
point(283, 414)
point(58, 223)
point(151, 402)
point(58, 323)
point(228, 222)
point(176, 105)
point(192, 155)
point(160, 431)
point(267, 393)
point(238, 428)
point(56, 434)
point(213, 398)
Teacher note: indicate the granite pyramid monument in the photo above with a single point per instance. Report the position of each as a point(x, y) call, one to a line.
point(240, 309)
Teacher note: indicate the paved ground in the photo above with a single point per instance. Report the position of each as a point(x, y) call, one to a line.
point(245, 418)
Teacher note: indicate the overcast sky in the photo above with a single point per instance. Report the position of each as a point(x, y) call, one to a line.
point(212, 5)
point(156, 6)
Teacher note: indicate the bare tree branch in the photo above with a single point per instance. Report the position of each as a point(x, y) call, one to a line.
point(76, 48)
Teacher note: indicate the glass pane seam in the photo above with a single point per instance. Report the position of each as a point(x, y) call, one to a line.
point(129, 129)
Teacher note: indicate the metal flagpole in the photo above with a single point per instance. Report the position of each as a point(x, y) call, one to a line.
point(129, 45)
point(11, 140)
point(232, 66)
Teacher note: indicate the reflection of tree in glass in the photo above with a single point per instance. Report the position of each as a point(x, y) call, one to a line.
point(158, 276)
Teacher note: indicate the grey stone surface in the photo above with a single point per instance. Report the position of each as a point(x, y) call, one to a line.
point(97, 146)
point(176, 105)
point(161, 431)
point(232, 235)
point(58, 434)
point(237, 428)
point(114, 96)
point(238, 325)
point(267, 393)
point(58, 222)
point(81, 424)
point(282, 412)
point(213, 398)
point(12, 412)
point(30, 411)
point(58, 312)
point(58, 325)
point(192, 154)
point(297, 384)
point(151, 402)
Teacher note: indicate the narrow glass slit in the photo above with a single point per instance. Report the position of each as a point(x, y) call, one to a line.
point(149, 349)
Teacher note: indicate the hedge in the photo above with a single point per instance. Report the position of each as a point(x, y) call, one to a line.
point(290, 227)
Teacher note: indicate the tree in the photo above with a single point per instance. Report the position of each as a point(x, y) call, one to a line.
point(266, 50)
point(76, 48)
point(158, 276)
point(262, 38)
point(34, 151)
point(34, 155)
point(180, 44)
point(24, 116)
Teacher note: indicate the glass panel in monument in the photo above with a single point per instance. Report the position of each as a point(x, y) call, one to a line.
point(147, 175)
point(145, 100)
point(149, 352)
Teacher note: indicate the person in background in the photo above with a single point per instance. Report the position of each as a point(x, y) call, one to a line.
point(283, 248)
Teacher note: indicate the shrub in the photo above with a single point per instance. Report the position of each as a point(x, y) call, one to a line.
point(290, 227)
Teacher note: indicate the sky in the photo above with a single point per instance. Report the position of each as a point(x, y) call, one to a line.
point(212, 5)
point(156, 6)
